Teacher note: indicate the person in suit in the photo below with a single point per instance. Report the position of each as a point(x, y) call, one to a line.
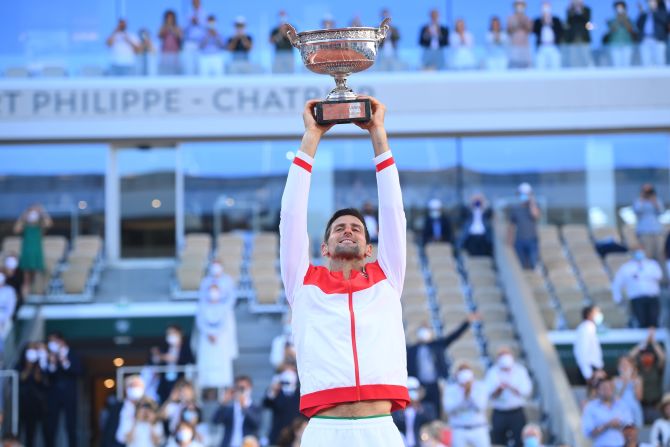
point(548, 32)
point(175, 352)
point(578, 35)
point(426, 360)
point(417, 414)
point(283, 399)
point(652, 25)
point(63, 369)
point(433, 39)
point(33, 386)
point(436, 226)
point(476, 234)
point(240, 417)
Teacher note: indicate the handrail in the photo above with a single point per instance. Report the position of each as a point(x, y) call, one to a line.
point(558, 400)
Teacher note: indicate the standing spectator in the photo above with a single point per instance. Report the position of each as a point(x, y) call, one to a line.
point(648, 207)
point(124, 45)
point(433, 38)
point(14, 278)
point(604, 418)
point(7, 307)
point(147, 54)
point(417, 414)
point(123, 416)
point(641, 278)
point(531, 435)
point(548, 34)
point(522, 228)
point(463, 47)
point(587, 350)
point(283, 400)
point(240, 45)
point(171, 37)
point(32, 223)
point(387, 56)
point(144, 429)
point(63, 369)
point(496, 46)
point(427, 361)
point(650, 361)
point(33, 385)
point(282, 350)
point(371, 222)
point(519, 27)
point(509, 388)
point(192, 415)
point(628, 388)
point(241, 417)
point(436, 225)
point(621, 36)
point(578, 35)
point(328, 21)
point(181, 397)
point(477, 231)
point(660, 430)
point(283, 62)
point(465, 403)
point(174, 352)
point(217, 276)
point(194, 33)
point(652, 25)
point(211, 45)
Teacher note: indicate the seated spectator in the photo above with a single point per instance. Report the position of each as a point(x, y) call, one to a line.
point(548, 32)
point(476, 235)
point(519, 27)
point(621, 36)
point(463, 47)
point(433, 39)
point(283, 61)
point(184, 436)
point(240, 45)
point(124, 45)
point(604, 418)
point(649, 358)
point(531, 436)
point(211, 47)
point(387, 56)
point(417, 414)
point(641, 278)
point(628, 388)
point(522, 226)
point(145, 430)
point(241, 417)
point(465, 402)
point(292, 436)
point(652, 27)
point(171, 37)
point(648, 207)
point(660, 430)
point(436, 225)
point(578, 35)
point(14, 278)
point(175, 352)
point(283, 400)
point(496, 46)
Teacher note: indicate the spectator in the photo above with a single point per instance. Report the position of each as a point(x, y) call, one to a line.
point(194, 33)
point(283, 62)
point(241, 417)
point(171, 37)
point(426, 360)
point(417, 414)
point(519, 27)
point(604, 418)
point(433, 38)
point(184, 436)
point(7, 307)
point(587, 350)
point(240, 44)
point(628, 388)
point(146, 53)
point(174, 352)
point(192, 415)
point(211, 58)
point(14, 278)
point(660, 430)
point(531, 436)
point(292, 436)
point(548, 34)
point(578, 35)
point(282, 350)
point(356, 22)
point(283, 400)
point(650, 361)
point(181, 397)
point(463, 47)
point(509, 388)
point(144, 429)
point(621, 36)
point(496, 46)
point(522, 228)
point(387, 56)
point(631, 437)
point(33, 384)
point(641, 278)
point(216, 275)
point(124, 45)
point(64, 370)
point(436, 226)
point(648, 207)
point(465, 403)
point(652, 26)
point(477, 231)
point(32, 223)
point(250, 441)
point(328, 22)
point(371, 223)
point(123, 416)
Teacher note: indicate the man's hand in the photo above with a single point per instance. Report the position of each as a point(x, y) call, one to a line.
point(378, 113)
point(309, 119)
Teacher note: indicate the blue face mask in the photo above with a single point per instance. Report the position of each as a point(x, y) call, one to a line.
point(638, 255)
point(531, 441)
point(523, 197)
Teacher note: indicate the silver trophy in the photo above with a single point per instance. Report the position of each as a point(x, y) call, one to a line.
point(340, 52)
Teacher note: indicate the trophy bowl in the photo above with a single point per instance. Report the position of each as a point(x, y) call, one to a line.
point(340, 52)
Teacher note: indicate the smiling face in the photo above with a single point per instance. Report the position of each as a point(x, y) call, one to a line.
point(346, 240)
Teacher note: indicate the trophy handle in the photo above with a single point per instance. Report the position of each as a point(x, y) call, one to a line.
point(383, 29)
point(293, 36)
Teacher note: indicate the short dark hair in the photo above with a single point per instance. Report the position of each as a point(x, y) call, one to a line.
point(56, 334)
point(346, 212)
point(620, 3)
point(176, 327)
point(586, 311)
point(244, 378)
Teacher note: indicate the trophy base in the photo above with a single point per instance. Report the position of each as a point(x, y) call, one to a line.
point(345, 111)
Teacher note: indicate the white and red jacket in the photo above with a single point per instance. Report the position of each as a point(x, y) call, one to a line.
point(348, 333)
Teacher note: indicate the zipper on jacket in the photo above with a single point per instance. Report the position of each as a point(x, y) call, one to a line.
point(353, 340)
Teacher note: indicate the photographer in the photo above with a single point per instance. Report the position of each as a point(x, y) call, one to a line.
point(648, 207)
point(145, 430)
point(283, 399)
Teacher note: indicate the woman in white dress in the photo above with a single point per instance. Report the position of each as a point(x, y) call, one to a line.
point(227, 287)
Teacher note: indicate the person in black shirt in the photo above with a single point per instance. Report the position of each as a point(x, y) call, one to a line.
point(240, 44)
point(33, 385)
point(283, 399)
point(283, 62)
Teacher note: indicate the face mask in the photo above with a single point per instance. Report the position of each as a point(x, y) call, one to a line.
point(414, 394)
point(33, 216)
point(211, 25)
point(424, 335)
point(620, 9)
point(531, 441)
point(505, 361)
point(2, 279)
point(190, 416)
point(216, 270)
point(653, 6)
point(639, 255)
point(184, 435)
point(435, 214)
point(520, 8)
point(464, 376)
point(172, 339)
point(546, 9)
point(11, 263)
point(214, 295)
point(523, 197)
point(134, 393)
point(32, 355)
point(53, 346)
point(599, 318)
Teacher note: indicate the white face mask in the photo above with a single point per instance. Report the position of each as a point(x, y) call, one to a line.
point(172, 339)
point(190, 416)
point(32, 355)
point(546, 9)
point(620, 9)
point(288, 380)
point(135, 393)
point(11, 263)
point(505, 361)
point(184, 435)
point(53, 346)
point(414, 395)
point(599, 318)
point(435, 213)
point(216, 270)
point(424, 335)
point(214, 295)
point(32, 216)
point(464, 376)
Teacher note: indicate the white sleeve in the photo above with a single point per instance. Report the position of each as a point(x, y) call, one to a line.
point(392, 250)
point(293, 237)
point(452, 398)
point(523, 383)
point(617, 283)
point(125, 425)
point(479, 396)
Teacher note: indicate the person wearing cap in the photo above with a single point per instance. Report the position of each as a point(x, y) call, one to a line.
point(465, 402)
point(519, 27)
point(283, 400)
point(436, 225)
point(660, 430)
point(240, 43)
point(509, 388)
point(587, 350)
point(522, 227)
point(283, 61)
point(604, 417)
point(418, 413)
point(531, 436)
